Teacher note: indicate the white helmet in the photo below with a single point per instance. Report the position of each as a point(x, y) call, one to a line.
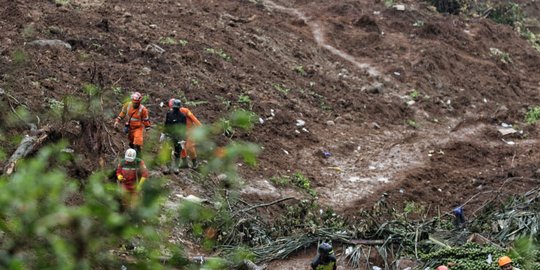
point(130, 155)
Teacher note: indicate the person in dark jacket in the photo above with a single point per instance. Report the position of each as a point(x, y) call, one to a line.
point(175, 130)
point(325, 260)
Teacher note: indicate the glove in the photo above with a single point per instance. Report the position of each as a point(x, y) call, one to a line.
point(139, 186)
point(116, 124)
point(120, 177)
point(162, 138)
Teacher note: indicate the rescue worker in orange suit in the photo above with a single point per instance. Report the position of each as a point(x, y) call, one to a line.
point(175, 131)
point(136, 120)
point(189, 146)
point(131, 173)
point(505, 263)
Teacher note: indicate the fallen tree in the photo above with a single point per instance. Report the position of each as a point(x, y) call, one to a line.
point(29, 144)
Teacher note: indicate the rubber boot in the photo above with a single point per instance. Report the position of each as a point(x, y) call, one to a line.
point(175, 164)
point(184, 163)
point(194, 164)
point(138, 149)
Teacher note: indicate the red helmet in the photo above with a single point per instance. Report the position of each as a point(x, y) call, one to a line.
point(136, 97)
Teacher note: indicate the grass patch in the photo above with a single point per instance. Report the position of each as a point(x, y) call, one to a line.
point(414, 95)
point(172, 41)
point(19, 57)
point(297, 179)
point(281, 88)
point(411, 123)
point(503, 56)
point(300, 70)
point(219, 52)
point(532, 115)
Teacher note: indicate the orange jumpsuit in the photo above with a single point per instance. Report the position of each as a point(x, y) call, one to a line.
point(191, 120)
point(137, 118)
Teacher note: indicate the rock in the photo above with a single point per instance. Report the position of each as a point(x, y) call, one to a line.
point(348, 116)
point(146, 70)
point(55, 30)
point(50, 42)
point(155, 49)
point(330, 123)
point(399, 7)
point(505, 131)
point(376, 88)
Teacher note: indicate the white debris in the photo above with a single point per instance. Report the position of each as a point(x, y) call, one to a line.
point(300, 123)
point(272, 113)
point(397, 73)
point(193, 198)
point(411, 102)
point(506, 131)
point(349, 251)
point(50, 42)
point(399, 7)
point(261, 120)
point(285, 151)
point(509, 142)
point(305, 130)
point(297, 132)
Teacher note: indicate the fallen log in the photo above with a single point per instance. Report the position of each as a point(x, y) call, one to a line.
point(29, 144)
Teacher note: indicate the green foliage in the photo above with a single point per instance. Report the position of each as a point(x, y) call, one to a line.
point(300, 70)
point(470, 256)
point(506, 13)
point(19, 57)
point(219, 52)
point(414, 95)
point(418, 23)
point(412, 123)
point(90, 89)
point(532, 115)
point(28, 32)
point(297, 179)
point(245, 100)
point(172, 41)
point(503, 56)
point(117, 90)
point(225, 102)
point(413, 208)
point(281, 88)
point(42, 228)
point(526, 253)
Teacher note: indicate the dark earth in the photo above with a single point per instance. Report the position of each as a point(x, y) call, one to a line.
point(408, 103)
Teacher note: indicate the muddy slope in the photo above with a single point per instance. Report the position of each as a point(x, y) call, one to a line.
point(407, 102)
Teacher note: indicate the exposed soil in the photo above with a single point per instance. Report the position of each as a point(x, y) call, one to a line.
point(347, 68)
